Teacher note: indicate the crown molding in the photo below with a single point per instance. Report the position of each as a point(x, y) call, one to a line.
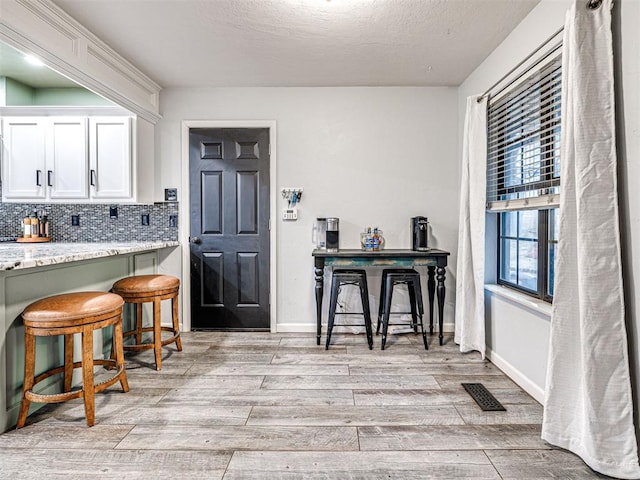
point(41, 28)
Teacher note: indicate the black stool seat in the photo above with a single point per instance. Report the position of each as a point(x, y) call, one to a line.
point(340, 278)
point(401, 276)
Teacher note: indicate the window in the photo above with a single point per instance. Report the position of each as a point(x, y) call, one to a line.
point(526, 248)
point(523, 179)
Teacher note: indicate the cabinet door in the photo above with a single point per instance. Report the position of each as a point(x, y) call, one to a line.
point(67, 158)
point(23, 158)
point(110, 157)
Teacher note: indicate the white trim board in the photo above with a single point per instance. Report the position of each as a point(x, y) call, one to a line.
point(184, 209)
point(518, 377)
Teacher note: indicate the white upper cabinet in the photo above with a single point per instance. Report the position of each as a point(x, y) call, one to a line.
point(67, 168)
point(67, 159)
point(110, 157)
point(23, 158)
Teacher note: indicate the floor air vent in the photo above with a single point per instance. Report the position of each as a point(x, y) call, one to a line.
point(483, 397)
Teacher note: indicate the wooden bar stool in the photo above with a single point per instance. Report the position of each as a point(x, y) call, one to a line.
point(68, 314)
point(141, 289)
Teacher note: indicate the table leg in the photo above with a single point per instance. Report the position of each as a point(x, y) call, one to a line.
point(441, 291)
point(319, 277)
point(431, 288)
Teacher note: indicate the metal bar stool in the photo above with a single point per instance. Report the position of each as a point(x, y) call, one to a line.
point(139, 289)
point(410, 278)
point(340, 278)
point(68, 314)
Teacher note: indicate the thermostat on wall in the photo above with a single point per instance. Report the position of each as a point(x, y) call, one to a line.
point(290, 213)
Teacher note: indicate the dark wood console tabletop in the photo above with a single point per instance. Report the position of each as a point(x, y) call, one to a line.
point(435, 261)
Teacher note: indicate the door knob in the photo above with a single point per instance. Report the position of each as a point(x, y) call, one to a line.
point(196, 240)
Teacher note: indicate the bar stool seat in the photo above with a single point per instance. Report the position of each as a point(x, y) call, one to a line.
point(68, 314)
point(391, 278)
point(340, 278)
point(139, 289)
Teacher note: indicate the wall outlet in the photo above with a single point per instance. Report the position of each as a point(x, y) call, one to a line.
point(173, 220)
point(145, 219)
point(170, 194)
point(75, 220)
point(113, 211)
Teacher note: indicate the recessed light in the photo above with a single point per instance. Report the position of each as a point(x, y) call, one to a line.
point(34, 61)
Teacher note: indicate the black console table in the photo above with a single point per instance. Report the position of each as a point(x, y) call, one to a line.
point(435, 261)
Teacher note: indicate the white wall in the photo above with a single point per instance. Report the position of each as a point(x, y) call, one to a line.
point(525, 352)
point(370, 156)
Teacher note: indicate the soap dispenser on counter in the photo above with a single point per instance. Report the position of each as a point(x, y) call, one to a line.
point(35, 229)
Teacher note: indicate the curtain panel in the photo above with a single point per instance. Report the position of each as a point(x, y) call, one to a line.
point(588, 403)
point(469, 317)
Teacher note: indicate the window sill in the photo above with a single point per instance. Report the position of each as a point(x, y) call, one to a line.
point(533, 304)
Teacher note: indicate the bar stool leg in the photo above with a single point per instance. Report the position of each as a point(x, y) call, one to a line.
point(386, 310)
point(420, 307)
point(138, 323)
point(88, 387)
point(332, 311)
point(29, 376)
point(176, 324)
point(68, 361)
point(364, 295)
point(116, 345)
point(412, 301)
point(380, 303)
point(157, 334)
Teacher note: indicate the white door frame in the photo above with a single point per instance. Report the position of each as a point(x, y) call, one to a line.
point(185, 216)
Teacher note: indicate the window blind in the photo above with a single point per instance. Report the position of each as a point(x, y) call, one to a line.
point(523, 143)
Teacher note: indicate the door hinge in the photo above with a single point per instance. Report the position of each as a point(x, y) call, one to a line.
point(269, 224)
point(269, 149)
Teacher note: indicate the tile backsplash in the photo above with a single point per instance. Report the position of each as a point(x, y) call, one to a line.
point(96, 225)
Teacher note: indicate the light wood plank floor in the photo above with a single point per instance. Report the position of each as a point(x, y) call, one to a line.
point(276, 406)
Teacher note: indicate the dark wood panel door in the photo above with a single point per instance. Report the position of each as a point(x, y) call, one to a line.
point(229, 232)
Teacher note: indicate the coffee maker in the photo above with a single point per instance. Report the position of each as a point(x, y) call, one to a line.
point(420, 234)
point(319, 233)
point(333, 234)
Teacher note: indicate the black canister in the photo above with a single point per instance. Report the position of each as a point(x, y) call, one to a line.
point(420, 237)
point(333, 234)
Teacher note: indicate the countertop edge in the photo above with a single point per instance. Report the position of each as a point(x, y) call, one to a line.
point(23, 256)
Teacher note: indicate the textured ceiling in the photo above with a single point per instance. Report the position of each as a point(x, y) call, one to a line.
point(185, 43)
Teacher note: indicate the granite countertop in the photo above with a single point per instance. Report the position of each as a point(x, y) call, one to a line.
point(15, 256)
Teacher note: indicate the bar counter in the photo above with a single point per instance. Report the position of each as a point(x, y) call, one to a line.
point(28, 255)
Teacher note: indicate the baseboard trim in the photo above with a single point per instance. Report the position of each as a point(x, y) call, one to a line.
point(297, 328)
point(514, 374)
